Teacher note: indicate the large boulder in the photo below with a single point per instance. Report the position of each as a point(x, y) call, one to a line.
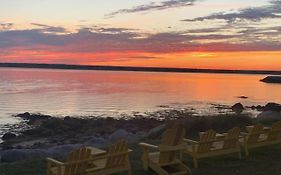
point(62, 150)
point(25, 116)
point(268, 116)
point(237, 108)
point(14, 155)
point(272, 107)
point(123, 134)
point(155, 132)
point(118, 135)
point(97, 142)
point(8, 136)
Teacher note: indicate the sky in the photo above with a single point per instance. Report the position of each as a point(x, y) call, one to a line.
point(213, 34)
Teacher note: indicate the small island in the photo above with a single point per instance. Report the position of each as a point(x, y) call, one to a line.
point(272, 79)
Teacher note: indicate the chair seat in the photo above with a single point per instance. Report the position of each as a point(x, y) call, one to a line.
point(55, 170)
point(154, 157)
point(189, 148)
point(97, 165)
point(215, 146)
point(262, 138)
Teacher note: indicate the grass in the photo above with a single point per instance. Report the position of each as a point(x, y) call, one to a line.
point(262, 161)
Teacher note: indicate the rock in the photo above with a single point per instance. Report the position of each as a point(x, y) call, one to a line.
point(14, 155)
point(272, 107)
point(33, 119)
point(67, 118)
point(272, 79)
point(268, 116)
point(243, 97)
point(97, 142)
point(155, 132)
point(119, 134)
point(237, 108)
point(25, 115)
point(62, 150)
point(135, 138)
point(8, 136)
point(258, 108)
point(35, 131)
point(47, 133)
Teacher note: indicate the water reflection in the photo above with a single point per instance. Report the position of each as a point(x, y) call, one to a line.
point(72, 92)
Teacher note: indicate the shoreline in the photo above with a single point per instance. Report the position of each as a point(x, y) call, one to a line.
point(135, 69)
point(37, 126)
point(50, 136)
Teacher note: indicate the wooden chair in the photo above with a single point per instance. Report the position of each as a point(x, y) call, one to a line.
point(275, 133)
point(212, 144)
point(165, 161)
point(258, 136)
point(76, 163)
point(116, 160)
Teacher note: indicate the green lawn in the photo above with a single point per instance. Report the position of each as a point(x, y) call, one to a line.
point(262, 161)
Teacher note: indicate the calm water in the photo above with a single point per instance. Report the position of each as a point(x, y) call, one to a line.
point(72, 92)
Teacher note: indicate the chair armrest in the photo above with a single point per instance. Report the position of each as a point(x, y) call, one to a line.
point(244, 134)
point(193, 142)
point(173, 148)
point(146, 145)
point(54, 162)
point(110, 155)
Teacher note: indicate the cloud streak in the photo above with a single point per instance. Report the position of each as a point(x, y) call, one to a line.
point(6, 26)
point(272, 11)
point(154, 7)
point(124, 40)
point(50, 29)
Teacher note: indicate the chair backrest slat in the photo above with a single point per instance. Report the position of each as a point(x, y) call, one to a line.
point(79, 167)
point(117, 153)
point(171, 137)
point(205, 145)
point(255, 133)
point(231, 138)
point(275, 132)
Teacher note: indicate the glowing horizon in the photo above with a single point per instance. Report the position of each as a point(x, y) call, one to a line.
point(209, 34)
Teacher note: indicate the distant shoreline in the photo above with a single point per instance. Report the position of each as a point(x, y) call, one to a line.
point(136, 69)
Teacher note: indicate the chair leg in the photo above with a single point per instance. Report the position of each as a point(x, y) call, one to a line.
point(239, 155)
point(195, 161)
point(130, 172)
point(145, 162)
point(145, 165)
point(247, 151)
point(181, 155)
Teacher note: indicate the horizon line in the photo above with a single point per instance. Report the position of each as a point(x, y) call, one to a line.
point(134, 68)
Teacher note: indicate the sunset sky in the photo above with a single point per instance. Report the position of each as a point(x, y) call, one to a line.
point(221, 34)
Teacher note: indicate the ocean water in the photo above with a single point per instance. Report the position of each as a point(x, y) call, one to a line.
point(104, 93)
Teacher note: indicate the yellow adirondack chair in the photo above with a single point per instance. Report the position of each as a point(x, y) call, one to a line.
point(116, 160)
point(165, 161)
point(259, 136)
point(213, 144)
point(275, 132)
point(76, 163)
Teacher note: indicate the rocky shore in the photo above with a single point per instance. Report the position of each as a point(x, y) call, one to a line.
point(272, 79)
point(55, 137)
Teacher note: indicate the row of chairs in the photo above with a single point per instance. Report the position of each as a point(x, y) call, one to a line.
point(82, 161)
point(167, 157)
